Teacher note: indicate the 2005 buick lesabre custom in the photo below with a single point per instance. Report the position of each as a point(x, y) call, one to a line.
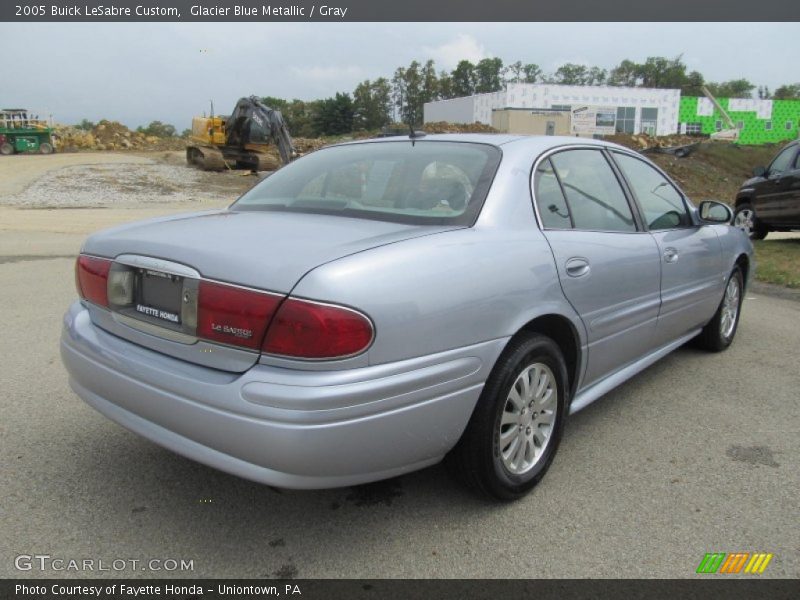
point(374, 307)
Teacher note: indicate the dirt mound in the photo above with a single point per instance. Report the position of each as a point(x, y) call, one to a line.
point(111, 135)
point(715, 170)
point(444, 127)
point(645, 142)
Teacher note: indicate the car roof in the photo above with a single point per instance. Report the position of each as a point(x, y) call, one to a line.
point(534, 143)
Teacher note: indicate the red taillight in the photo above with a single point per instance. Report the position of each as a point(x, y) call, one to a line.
point(91, 278)
point(234, 315)
point(311, 330)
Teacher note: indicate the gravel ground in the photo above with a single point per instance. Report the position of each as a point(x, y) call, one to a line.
point(160, 179)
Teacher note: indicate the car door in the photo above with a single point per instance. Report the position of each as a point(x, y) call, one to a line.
point(608, 267)
point(772, 200)
point(690, 255)
point(791, 212)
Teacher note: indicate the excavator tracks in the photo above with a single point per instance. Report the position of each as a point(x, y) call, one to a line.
point(205, 158)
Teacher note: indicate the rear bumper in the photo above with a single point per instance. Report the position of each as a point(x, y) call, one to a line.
point(283, 427)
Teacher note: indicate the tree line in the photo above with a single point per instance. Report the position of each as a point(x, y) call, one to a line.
point(373, 104)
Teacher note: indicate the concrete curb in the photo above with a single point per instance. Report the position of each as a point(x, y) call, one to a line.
point(776, 291)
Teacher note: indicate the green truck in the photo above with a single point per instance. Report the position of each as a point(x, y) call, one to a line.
point(21, 131)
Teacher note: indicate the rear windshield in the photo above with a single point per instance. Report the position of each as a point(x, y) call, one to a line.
point(425, 183)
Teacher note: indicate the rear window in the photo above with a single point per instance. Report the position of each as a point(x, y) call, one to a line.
point(425, 183)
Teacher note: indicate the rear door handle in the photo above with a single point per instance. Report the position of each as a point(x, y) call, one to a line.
point(577, 267)
point(670, 255)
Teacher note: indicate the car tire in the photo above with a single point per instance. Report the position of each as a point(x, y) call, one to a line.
point(45, 148)
point(6, 149)
point(745, 219)
point(719, 332)
point(484, 458)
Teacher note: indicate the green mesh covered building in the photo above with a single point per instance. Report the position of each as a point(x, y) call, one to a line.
point(758, 121)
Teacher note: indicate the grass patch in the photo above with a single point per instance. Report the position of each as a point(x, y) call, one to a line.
point(778, 261)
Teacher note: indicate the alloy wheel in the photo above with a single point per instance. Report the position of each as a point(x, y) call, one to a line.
point(529, 415)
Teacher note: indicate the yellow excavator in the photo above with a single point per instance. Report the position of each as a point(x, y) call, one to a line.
point(241, 140)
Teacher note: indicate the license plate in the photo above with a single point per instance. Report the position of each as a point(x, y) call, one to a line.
point(159, 295)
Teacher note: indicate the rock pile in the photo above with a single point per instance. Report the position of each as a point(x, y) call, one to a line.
point(646, 142)
point(111, 135)
point(444, 127)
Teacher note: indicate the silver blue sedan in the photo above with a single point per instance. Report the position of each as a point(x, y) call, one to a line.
point(376, 307)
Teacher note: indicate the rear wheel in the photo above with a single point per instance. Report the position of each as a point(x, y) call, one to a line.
point(718, 334)
point(45, 148)
point(6, 149)
point(745, 219)
point(515, 430)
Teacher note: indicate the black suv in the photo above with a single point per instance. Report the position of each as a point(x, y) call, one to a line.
point(770, 201)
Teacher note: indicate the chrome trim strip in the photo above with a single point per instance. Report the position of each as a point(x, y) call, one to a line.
point(602, 387)
point(153, 329)
point(157, 264)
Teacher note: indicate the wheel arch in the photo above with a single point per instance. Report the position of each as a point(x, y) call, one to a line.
point(563, 332)
point(743, 262)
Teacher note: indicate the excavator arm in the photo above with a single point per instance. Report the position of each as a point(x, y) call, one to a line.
point(253, 122)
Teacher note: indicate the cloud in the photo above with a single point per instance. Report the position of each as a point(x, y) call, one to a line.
point(462, 47)
point(328, 74)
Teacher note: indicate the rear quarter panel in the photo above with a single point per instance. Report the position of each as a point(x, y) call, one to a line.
point(453, 289)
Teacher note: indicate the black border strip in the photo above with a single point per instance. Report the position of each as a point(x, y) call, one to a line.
point(707, 587)
point(405, 11)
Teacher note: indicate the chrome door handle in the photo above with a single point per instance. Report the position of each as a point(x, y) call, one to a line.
point(577, 267)
point(670, 255)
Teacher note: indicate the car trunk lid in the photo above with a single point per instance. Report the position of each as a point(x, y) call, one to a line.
point(266, 251)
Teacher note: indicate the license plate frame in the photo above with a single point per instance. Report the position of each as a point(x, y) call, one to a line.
point(159, 295)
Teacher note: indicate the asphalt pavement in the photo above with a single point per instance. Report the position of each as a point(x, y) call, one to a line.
point(699, 453)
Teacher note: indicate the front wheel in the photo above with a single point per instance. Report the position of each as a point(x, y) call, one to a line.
point(518, 422)
point(6, 149)
point(745, 219)
point(718, 334)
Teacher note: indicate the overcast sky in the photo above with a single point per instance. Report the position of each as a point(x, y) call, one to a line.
point(136, 72)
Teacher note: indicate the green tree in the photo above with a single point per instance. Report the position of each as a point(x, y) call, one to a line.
point(334, 116)
point(399, 91)
point(372, 104)
point(158, 129)
point(660, 72)
point(514, 73)
point(430, 82)
point(446, 85)
point(596, 76)
point(625, 74)
point(488, 75)
point(411, 109)
point(85, 125)
point(571, 74)
point(735, 88)
point(788, 92)
point(464, 79)
point(276, 103)
point(694, 84)
point(532, 73)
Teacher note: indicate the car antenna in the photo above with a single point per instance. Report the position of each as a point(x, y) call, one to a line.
point(413, 135)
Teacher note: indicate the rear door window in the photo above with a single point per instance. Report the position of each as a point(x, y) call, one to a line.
point(662, 205)
point(594, 195)
point(550, 201)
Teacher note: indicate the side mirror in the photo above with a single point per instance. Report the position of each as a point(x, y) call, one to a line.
point(759, 171)
point(715, 212)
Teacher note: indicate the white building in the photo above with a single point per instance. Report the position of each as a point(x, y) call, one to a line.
point(595, 109)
